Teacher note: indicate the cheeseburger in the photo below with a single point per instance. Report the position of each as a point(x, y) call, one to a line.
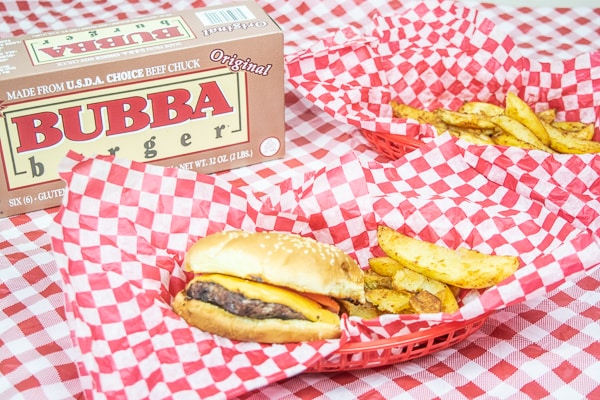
point(267, 287)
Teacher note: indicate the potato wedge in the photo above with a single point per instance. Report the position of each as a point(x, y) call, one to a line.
point(481, 108)
point(506, 139)
point(568, 126)
point(519, 110)
point(365, 311)
point(548, 115)
point(401, 110)
point(425, 302)
point(568, 144)
point(384, 266)
point(448, 299)
point(576, 129)
point(374, 280)
point(520, 131)
point(455, 290)
point(475, 131)
point(464, 268)
point(464, 120)
point(475, 138)
point(406, 279)
point(389, 300)
point(586, 133)
point(413, 281)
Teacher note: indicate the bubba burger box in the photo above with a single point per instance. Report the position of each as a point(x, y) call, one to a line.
point(202, 89)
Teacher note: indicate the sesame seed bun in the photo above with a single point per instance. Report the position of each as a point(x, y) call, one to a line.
point(267, 287)
point(282, 259)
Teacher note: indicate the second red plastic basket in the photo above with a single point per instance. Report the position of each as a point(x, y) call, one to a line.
point(391, 145)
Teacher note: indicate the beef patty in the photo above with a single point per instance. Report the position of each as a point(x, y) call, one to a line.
point(237, 304)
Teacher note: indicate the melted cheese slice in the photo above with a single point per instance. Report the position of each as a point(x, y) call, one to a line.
point(273, 294)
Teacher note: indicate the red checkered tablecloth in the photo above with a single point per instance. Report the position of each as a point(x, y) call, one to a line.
point(547, 347)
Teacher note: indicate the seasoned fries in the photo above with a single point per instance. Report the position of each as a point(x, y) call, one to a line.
point(575, 129)
point(389, 300)
point(518, 130)
point(548, 115)
point(481, 108)
point(463, 120)
point(384, 266)
point(464, 268)
point(425, 302)
point(515, 125)
point(506, 139)
point(421, 277)
point(422, 116)
point(520, 111)
point(365, 311)
point(403, 279)
point(473, 137)
point(568, 143)
point(407, 279)
point(374, 280)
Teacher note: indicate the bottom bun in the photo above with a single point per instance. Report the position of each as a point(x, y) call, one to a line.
point(213, 319)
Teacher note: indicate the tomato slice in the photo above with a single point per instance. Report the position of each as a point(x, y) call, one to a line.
point(325, 301)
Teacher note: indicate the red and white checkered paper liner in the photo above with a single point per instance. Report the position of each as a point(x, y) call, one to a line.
point(123, 229)
point(434, 54)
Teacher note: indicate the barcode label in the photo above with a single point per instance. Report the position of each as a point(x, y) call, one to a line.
point(225, 15)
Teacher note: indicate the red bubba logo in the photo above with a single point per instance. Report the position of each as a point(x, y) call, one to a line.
point(112, 42)
point(126, 115)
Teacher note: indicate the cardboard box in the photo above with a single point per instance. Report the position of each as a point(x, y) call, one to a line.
point(201, 89)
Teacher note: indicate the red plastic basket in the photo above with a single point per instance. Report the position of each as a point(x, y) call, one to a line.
point(391, 145)
point(383, 352)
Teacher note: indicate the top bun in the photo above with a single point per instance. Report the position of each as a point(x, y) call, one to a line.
point(282, 259)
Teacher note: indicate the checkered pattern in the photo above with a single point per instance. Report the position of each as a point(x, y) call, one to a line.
point(125, 226)
point(544, 346)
